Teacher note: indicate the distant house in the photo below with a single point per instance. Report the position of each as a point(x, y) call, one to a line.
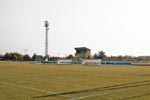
point(83, 52)
point(38, 58)
point(144, 58)
point(2, 57)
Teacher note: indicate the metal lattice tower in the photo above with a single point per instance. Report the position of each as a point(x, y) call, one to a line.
point(46, 40)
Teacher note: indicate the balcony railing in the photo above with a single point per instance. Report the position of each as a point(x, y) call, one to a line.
point(81, 54)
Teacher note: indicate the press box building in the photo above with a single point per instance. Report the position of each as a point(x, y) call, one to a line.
point(83, 52)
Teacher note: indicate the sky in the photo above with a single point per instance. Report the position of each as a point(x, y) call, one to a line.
point(118, 27)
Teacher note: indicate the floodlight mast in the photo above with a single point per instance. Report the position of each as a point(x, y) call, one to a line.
point(46, 40)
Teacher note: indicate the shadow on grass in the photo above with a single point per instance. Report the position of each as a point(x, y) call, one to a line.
point(114, 87)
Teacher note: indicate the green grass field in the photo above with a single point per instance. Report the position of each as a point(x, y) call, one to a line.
point(22, 81)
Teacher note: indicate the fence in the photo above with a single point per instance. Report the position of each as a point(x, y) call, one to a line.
point(116, 63)
point(92, 62)
point(64, 61)
point(87, 62)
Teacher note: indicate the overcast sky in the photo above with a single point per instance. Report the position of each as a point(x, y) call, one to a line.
point(118, 27)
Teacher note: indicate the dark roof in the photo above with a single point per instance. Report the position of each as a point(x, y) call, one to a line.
point(1, 56)
point(82, 48)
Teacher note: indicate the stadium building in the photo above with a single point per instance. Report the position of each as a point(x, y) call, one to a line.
point(83, 52)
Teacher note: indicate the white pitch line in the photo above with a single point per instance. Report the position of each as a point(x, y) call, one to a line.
point(98, 94)
point(82, 97)
point(103, 93)
point(35, 89)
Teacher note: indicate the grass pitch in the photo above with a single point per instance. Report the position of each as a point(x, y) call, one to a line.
point(22, 81)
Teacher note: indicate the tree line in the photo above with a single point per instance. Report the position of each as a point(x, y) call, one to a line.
point(20, 57)
point(100, 55)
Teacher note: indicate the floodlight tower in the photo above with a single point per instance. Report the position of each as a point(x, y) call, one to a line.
point(46, 40)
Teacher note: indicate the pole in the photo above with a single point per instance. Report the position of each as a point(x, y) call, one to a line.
point(46, 41)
